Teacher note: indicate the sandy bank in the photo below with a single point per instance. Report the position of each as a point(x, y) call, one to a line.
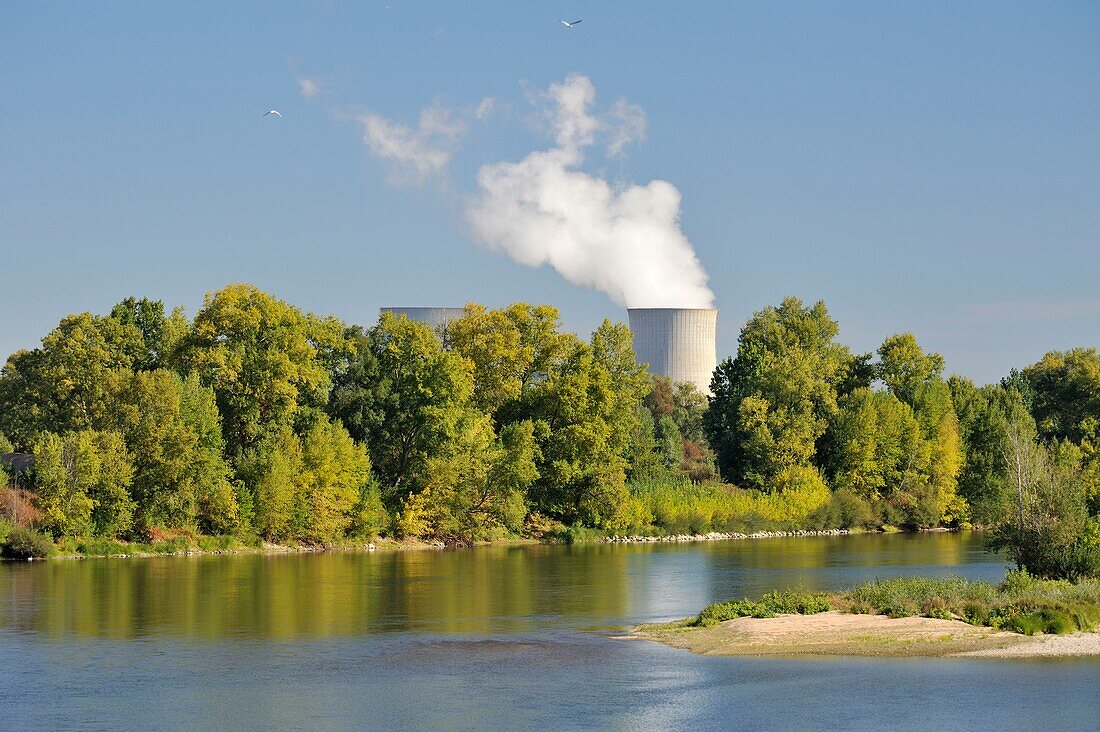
point(843, 634)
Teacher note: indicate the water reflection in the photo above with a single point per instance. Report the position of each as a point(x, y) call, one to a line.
point(495, 590)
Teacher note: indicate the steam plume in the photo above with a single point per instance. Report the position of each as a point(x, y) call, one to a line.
point(622, 240)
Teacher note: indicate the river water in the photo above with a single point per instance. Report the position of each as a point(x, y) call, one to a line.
point(486, 638)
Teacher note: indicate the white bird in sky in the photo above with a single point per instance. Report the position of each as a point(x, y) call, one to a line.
point(567, 24)
point(274, 112)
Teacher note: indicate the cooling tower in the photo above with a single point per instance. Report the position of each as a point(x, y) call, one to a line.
point(676, 342)
point(434, 318)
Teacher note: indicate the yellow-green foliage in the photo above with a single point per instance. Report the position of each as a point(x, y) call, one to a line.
point(675, 505)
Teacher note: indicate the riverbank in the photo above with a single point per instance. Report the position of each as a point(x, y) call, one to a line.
point(214, 545)
point(835, 633)
point(721, 536)
point(124, 551)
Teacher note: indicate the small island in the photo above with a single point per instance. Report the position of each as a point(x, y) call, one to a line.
point(919, 616)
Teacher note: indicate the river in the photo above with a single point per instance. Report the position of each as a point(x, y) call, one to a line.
point(494, 637)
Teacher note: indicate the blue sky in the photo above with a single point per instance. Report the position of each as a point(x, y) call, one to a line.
point(931, 167)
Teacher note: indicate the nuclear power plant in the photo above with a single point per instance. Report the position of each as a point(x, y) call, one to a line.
point(678, 343)
point(434, 318)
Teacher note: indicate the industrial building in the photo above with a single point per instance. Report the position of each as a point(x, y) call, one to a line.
point(678, 343)
point(435, 318)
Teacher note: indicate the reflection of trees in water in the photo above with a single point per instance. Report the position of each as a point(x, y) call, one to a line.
point(301, 596)
point(755, 566)
point(482, 590)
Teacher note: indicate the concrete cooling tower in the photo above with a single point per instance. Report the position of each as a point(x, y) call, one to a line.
point(435, 318)
point(676, 342)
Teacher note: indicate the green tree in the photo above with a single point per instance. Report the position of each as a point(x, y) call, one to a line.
point(65, 384)
point(335, 473)
point(772, 402)
point(172, 430)
point(879, 449)
point(160, 333)
point(916, 379)
point(510, 349)
point(82, 482)
point(906, 369)
point(266, 361)
point(272, 472)
point(984, 415)
point(477, 486)
point(669, 442)
point(682, 402)
point(586, 419)
point(402, 395)
point(217, 505)
point(1049, 532)
point(1065, 391)
point(642, 456)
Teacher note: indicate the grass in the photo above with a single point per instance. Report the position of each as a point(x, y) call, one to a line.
point(98, 547)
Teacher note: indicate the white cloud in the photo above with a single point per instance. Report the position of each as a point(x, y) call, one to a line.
point(310, 87)
point(622, 240)
point(485, 108)
point(416, 155)
point(629, 126)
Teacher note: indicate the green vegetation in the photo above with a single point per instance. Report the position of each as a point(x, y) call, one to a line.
point(789, 602)
point(19, 542)
point(1021, 603)
point(257, 422)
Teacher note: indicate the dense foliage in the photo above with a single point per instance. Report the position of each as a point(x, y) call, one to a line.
point(255, 421)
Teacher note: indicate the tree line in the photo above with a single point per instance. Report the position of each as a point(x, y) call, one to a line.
point(257, 420)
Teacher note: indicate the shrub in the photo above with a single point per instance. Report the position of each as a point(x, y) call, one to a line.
point(579, 535)
point(23, 543)
point(936, 607)
point(844, 510)
point(1046, 620)
point(790, 602)
point(901, 609)
point(908, 595)
point(1021, 603)
point(976, 613)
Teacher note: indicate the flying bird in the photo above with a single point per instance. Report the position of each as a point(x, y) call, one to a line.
point(274, 112)
point(567, 24)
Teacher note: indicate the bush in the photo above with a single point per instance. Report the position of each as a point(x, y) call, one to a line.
point(907, 595)
point(937, 608)
point(790, 602)
point(1045, 620)
point(844, 510)
point(578, 535)
point(976, 613)
point(1021, 603)
point(22, 543)
point(900, 609)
